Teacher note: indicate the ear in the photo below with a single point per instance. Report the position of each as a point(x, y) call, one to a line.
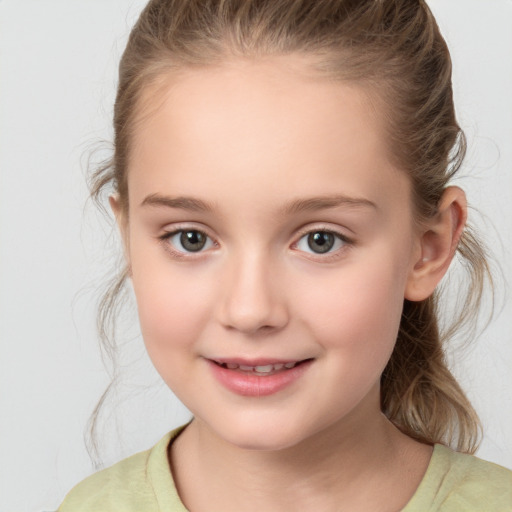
point(437, 245)
point(122, 224)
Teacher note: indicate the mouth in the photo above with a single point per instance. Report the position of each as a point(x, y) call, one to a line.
point(258, 378)
point(265, 369)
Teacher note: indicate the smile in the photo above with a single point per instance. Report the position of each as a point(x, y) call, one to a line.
point(262, 369)
point(260, 378)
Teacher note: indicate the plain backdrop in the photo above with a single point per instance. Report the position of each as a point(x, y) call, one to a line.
point(58, 63)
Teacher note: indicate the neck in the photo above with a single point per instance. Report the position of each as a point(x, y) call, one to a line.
point(354, 462)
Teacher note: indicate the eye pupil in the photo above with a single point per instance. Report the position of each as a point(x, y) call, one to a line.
point(192, 241)
point(321, 241)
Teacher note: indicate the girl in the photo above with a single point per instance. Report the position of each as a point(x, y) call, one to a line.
point(281, 183)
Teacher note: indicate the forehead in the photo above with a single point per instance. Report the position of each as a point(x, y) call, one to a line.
point(254, 122)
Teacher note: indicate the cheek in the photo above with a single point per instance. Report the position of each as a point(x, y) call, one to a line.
point(172, 316)
point(359, 307)
point(172, 306)
point(163, 313)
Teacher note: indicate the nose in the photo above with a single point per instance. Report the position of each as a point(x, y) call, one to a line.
point(254, 297)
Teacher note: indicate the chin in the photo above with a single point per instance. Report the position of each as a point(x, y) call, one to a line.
point(262, 444)
point(262, 437)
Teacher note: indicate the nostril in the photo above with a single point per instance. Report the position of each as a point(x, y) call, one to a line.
point(252, 302)
point(253, 329)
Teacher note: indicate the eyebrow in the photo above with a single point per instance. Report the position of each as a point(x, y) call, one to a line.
point(296, 206)
point(324, 202)
point(183, 203)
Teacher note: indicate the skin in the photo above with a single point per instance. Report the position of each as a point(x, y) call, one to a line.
point(248, 139)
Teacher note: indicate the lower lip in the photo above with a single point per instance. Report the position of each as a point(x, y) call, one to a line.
point(246, 384)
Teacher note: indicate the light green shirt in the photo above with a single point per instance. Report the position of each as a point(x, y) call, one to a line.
point(143, 483)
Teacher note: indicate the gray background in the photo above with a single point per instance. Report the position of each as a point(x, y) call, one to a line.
point(57, 81)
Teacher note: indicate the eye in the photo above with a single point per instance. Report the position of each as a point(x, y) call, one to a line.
point(188, 240)
point(321, 242)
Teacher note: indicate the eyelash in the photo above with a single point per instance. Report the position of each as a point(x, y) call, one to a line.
point(165, 239)
point(331, 254)
point(327, 256)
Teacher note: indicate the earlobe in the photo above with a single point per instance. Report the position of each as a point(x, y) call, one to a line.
point(122, 225)
point(114, 204)
point(437, 245)
point(118, 211)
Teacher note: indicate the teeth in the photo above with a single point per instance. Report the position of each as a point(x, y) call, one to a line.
point(263, 369)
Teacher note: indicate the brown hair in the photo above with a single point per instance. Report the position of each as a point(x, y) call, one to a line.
point(394, 49)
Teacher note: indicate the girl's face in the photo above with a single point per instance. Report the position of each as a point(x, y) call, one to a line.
point(267, 229)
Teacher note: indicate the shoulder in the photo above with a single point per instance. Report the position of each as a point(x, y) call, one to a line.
point(124, 484)
point(470, 479)
point(137, 484)
point(460, 482)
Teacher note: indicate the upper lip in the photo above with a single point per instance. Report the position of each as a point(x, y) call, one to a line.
point(254, 362)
